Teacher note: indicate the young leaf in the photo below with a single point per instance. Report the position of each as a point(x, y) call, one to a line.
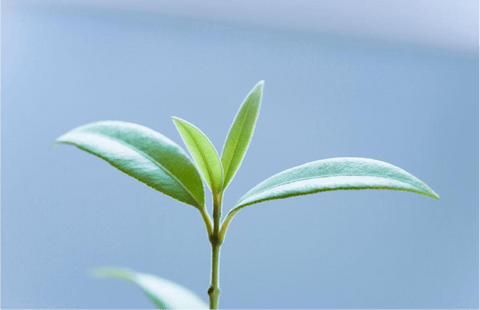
point(164, 294)
point(143, 154)
point(240, 133)
point(334, 174)
point(203, 152)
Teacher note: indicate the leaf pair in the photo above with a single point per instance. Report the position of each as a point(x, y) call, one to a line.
point(218, 173)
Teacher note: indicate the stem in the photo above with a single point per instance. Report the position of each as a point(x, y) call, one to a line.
point(217, 213)
point(216, 241)
point(214, 290)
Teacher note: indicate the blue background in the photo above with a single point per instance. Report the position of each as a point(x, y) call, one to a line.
point(65, 211)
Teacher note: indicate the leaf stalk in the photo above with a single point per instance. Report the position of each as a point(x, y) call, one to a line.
point(226, 222)
point(207, 220)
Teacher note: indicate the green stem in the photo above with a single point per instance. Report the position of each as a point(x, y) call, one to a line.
point(216, 241)
point(214, 290)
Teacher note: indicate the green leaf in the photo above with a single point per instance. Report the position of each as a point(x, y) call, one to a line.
point(164, 294)
point(240, 133)
point(334, 174)
point(143, 154)
point(203, 152)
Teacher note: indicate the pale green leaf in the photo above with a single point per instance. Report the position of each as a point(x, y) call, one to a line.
point(334, 174)
point(203, 152)
point(143, 154)
point(240, 133)
point(164, 294)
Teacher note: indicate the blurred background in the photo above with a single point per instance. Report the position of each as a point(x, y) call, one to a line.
point(391, 80)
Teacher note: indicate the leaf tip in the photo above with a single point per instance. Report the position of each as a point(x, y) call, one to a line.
point(111, 272)
point(53, 145)
point(260, 85)
point(56, 142)
point(430, 192)
point(179, 121)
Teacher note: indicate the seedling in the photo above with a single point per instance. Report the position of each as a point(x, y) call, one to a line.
point(155, 160)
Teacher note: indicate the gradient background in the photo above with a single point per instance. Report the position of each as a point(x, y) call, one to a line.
point(326, 95)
